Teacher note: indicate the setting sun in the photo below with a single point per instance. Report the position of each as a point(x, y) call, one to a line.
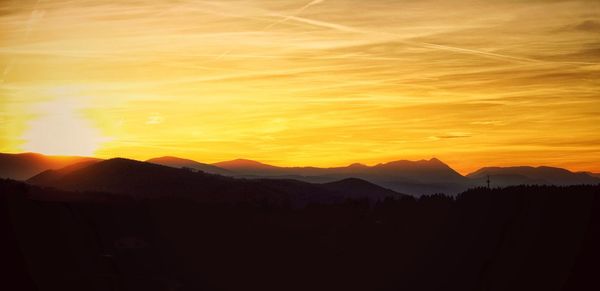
point(59, 129)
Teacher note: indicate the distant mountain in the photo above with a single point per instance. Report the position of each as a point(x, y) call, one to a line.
point(140, 179)
point(414, 177)
point(176, 162)
point(402, 176)
point(245, 166)
point(597, 175)
point(24, 166)
point(505, 176)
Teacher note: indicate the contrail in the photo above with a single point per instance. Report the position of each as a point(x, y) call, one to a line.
point(345, 28)
point(315, 2)
point(471, 51)
point(288, 17)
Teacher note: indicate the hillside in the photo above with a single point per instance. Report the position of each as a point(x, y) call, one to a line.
point(24, 166)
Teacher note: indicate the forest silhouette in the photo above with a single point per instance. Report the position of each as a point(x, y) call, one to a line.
point(515, 238)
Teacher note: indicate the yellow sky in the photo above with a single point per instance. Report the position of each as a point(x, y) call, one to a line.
point(323, 83)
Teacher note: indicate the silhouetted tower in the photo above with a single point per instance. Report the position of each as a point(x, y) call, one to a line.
point(488, 181)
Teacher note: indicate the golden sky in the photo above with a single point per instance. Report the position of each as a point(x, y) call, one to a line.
point(323, 83)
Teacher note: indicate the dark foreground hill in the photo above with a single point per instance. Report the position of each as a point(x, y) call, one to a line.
point(518, 238)
point(146, 180)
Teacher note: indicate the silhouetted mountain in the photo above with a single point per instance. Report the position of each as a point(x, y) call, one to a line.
point(246, 166)
point(413, 177)
point(597, 175)
point(504, 176)
point(49, 176)
point(24, 166)
point(190, 164)
point(423, 177)
point(147, 180)
point(422, 170)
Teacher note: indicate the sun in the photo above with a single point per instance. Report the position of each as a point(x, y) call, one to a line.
point(59, 128)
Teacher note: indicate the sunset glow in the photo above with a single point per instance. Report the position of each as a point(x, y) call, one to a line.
point(60, 130)
point(321, 83)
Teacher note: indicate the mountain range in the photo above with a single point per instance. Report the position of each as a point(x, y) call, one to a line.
point(403, 176)
point(423, 176)
point(137, 179)
point(533, 175)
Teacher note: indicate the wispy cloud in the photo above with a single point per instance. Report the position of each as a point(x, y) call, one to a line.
point(300, 81)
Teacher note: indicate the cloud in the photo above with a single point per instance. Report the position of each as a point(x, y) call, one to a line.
point(453, 136)
point(589, 26)
point(155, 119)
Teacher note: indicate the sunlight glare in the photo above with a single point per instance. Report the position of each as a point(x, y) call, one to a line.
point(60, 129)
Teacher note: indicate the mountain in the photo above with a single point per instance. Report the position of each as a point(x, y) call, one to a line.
point(414, 177)
point(147, 180)
point(176, 162)
point(54, 175)
point(25, 165)
point(597, 175)
point(504, 176)
point(403, 176)
point(422, 170)
point(248, 167)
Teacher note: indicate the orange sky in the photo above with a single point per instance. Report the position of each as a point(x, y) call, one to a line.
point(320, 83)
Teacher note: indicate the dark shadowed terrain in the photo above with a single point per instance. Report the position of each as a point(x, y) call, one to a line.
point(516, 238)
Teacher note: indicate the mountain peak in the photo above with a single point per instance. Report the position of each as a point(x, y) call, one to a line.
point(436, 161)
point(167, 158)
point(242, 163)
point(357, 165)
point(433, 162)
point(119, 162)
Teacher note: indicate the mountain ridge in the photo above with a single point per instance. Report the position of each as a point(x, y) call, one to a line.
point(177, 162)
point(425, 176)
point(22, 166)
point(146, 180)
point(533, 175)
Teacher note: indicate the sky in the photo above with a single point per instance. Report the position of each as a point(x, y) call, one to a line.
point(323, 83)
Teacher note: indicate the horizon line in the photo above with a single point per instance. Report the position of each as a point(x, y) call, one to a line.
point(304, 166)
